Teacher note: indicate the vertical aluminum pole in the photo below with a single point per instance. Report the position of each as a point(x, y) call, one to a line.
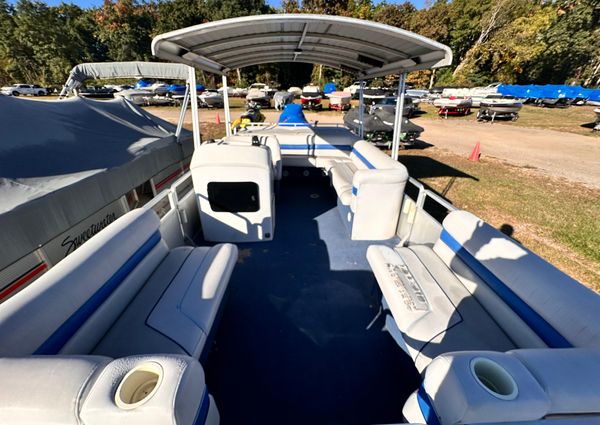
point(398, 117)
point(184, 105)
point(194, 99)
point(226, 105)
point(361, 109)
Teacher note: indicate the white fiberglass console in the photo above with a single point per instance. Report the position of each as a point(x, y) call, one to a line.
point(234, 188)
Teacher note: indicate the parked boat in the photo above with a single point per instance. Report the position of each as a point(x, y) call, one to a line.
point(259, 97)
point(471, 92)
point(211, 99)
point(111, 154)
point(296, 91)
point(379, 127)
point(282, 98)
point(411, 106)
point(498, 106)
point(453, 106)
point(339, 100)
point(311, 97)
point(597, 126)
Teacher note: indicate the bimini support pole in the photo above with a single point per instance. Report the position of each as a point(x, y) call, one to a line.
point(226, 105)
point(361, 109)
point(194, 99)
point(184, 105)
point(398, 117)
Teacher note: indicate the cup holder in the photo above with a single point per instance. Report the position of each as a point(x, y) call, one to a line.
point(138, 385)
point(494, 378)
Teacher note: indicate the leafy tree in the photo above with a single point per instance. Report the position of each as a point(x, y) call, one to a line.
point(397, 15)
point(125, 27)
point(175, 14)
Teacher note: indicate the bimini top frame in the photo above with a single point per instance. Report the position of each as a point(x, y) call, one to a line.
point(366, 49)
point(160, 70)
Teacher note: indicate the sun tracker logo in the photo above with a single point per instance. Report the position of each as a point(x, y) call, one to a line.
point(72, 243)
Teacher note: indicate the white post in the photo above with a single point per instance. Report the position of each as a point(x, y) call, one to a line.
point(226, 105)
point(194, 99)
point(398, 117)
point(184, 105)
point(361, 109)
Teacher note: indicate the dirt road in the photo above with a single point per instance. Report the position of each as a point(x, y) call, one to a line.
point(570, 156)
point(567, 155)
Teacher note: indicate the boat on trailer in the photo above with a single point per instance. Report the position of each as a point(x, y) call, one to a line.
point(355, 294)
point(453, 105)
point(78, 165)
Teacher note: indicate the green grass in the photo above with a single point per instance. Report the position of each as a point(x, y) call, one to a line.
point(557, 219)
point(574, 119)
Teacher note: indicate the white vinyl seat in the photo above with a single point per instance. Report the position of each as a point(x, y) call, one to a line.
point(477, 289)
point(370, 186)
point(123, 292)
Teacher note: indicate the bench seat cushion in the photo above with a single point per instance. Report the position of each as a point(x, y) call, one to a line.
point(342, 174)
point(175, 311)
point(430, 306)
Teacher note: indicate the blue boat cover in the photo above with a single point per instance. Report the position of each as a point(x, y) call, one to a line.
point(143, 83)
point(292, 115)
point(549, 91)
point(329, 88)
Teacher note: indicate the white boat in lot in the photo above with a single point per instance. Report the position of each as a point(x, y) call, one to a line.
point(476, 92)
point(339, 100)
point(498, 106)
point(211, 99)
point(453, 105)
point(348, 292)
point(597, 126)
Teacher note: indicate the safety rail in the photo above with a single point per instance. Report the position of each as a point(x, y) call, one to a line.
point(176, 207)
point(263, 125)
point(422, 214)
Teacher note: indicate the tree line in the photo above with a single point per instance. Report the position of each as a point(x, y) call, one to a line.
point(513, 41)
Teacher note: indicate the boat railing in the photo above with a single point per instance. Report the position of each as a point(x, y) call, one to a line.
point(263, 125)
point(176, 207)
point(422, 214)
point(420, 220)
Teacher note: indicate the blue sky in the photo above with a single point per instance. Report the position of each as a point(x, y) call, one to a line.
point(274, 3)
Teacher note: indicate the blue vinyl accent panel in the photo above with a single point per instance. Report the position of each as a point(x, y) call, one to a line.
point(202, 413)
point(316, 147)
point(363, 159)
point(426, 407)
point(59, 338)
point(540, 326)
point(354, 190)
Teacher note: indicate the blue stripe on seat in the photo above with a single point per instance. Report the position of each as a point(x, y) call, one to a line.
point(426, 407)
point(202, 413)
point(354, 190)
point(316, 147)
point(363, 159)
point(59, 338)
point(537, 323)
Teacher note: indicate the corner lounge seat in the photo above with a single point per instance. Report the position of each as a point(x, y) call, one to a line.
point(478, 289)
point(121, 293)
point(370, 186)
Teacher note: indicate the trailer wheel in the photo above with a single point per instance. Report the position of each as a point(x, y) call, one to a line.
point(515, 117)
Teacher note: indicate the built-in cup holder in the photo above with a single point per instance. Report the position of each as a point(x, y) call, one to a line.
point(139, 385)
point(494, 378)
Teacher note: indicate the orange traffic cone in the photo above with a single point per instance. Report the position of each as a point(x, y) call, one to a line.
point(218, 119)
point(476, 153)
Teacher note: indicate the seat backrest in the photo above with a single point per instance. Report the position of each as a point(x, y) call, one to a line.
point(270, 141)
point(367, 156)
point(110, 269)
point(558, 309)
